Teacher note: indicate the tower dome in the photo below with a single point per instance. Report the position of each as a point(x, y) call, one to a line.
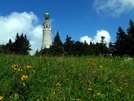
point(46, 15)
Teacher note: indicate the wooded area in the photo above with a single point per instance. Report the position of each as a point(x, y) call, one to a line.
point(123, 45)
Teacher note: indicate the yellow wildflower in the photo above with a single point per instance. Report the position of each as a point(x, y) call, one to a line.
point(125, 83)
point(54, 92)
point(119, 90)
point(100, 66)
point(1, 97)
point(98, 93)
point(94, 95)
point(15, 66)
point(23, 77)
point(93, 64)
point(58, 84)
point(67, 79)
point(29, 66)
point(101, 60)
point(78, 99)
point(19, 69)
point(90, 88)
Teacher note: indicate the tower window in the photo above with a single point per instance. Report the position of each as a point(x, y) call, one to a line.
point(46, 26)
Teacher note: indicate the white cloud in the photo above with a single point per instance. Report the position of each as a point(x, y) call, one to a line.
point(100, 33)
point(113, 7)
point(97, 37)
point(86, 38)
point(26, 23)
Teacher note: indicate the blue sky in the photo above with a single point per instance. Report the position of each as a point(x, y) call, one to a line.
point(81, 19)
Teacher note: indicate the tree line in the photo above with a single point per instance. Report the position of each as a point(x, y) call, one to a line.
point(70, 47)
point(20, 46)
point(123, 45)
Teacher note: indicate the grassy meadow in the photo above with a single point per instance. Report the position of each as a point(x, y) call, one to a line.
point(90, 78)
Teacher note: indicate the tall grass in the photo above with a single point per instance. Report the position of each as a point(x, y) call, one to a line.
point(30, 78)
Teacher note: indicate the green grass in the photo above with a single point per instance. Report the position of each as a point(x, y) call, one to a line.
point(66, 78)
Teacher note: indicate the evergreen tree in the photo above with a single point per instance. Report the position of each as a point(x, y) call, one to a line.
point(3, 49)
point(111, 48)
point(57, 47)
point(130, 29)
point(21, 45)
point(130, 32)
point(102, 46)
point(87, 50)
point(94, 49)
point(69, 46)
point(121, 43)
point(90, 48)
point(79, 47)
point(45, 51)
point(37, 53)
point(9, 47)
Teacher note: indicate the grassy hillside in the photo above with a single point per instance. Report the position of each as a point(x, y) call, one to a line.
point(27, 78)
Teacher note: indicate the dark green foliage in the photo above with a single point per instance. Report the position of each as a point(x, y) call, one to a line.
point(130, 29)
point(78, 48)
point(69, 46)
point(3, 49)
point(87, 49)
point(9, 46)
point(121, 43)
point(37, 53)
point(45, 51)
point(95, 49)
point(124, 43)
point(57, 47)
point(6, 48)
point(130, 32)
point(111, 48)
point(20, 46)
point(102, 49)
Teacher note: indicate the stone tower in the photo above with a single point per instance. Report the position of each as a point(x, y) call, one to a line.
point(47, 34)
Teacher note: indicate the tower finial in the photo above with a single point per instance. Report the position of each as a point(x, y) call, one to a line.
point(46, 15)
